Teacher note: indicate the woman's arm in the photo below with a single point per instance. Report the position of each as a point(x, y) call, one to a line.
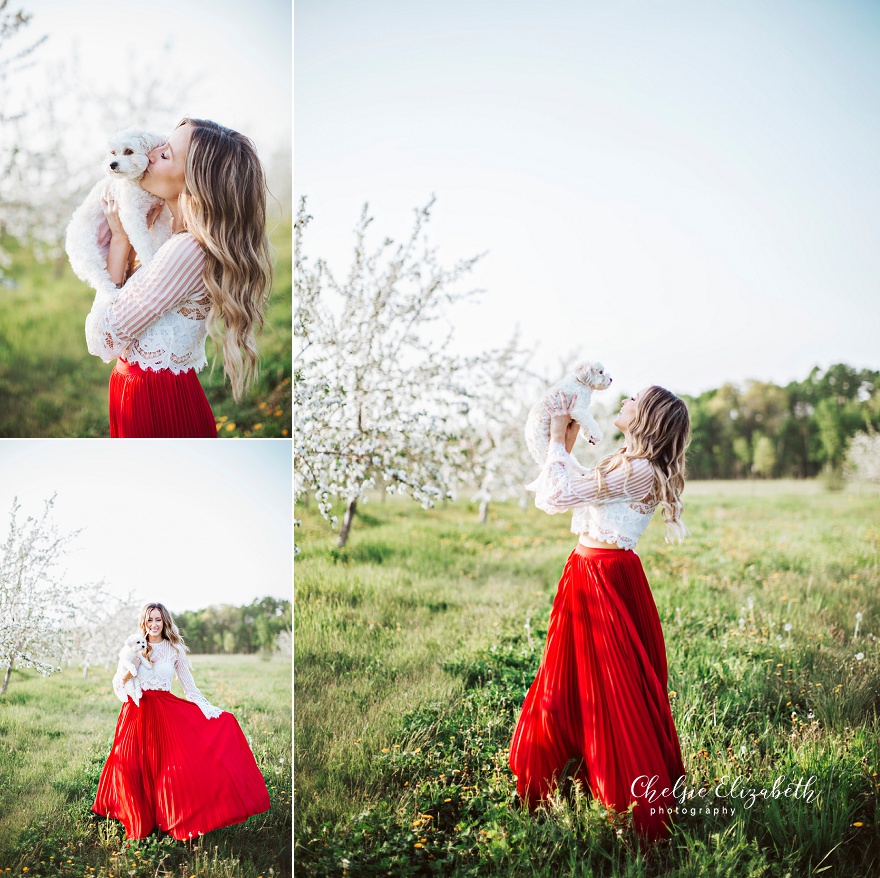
point(560, 486)
point(181, 666)
point(119, 681)
point(174, 274)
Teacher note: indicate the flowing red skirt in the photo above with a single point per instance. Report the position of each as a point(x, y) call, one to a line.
point(158, 405)
point(599, 704)
point(173, 768)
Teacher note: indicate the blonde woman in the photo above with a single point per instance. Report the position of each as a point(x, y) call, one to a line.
point(181, 766)
point(598, 710)
point(212, 276)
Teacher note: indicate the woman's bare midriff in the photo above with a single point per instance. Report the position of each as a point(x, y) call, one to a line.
point(584, 540)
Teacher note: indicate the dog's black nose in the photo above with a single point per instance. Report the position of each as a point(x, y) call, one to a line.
point(114, 166)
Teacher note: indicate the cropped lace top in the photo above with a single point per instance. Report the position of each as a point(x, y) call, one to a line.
point(167, 660)
point(622, 513)
point(157, 319)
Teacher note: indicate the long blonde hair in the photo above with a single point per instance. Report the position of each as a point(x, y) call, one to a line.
point(223, 206)
point(169, 629)
point(660, 433)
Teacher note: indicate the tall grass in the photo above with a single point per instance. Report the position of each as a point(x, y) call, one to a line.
point(55, 735)
point(415, 645)
point(51, 386)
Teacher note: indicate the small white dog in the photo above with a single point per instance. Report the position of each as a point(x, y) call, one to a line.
point(87, 242)
point(585, 378)
point(130, 659)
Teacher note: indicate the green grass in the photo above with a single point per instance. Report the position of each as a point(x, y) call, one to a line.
point(412, 658)
point(51, 386)
point(55, 734)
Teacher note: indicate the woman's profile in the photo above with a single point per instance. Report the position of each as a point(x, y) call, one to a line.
point(212, 276)
point(181, 766)
point(598, 711)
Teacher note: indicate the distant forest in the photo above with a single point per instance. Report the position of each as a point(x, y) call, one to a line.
point(223, 628)
point(795, 431)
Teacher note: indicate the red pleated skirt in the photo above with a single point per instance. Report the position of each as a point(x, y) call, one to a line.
point(599, 707)
point(158, 405)
point(174, 769)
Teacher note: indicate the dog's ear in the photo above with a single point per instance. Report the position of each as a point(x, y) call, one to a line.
point(149, 140)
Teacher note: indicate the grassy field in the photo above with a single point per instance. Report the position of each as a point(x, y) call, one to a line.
point(51, 386)
point(415, 645)
point(55, 734)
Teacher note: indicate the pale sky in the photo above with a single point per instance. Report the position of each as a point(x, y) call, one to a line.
point(187, 523)
point(687, 191)
point(240, 50)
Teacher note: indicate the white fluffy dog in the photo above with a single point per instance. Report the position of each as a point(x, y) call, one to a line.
point(585, 378)
point(87, 242)
point(130, 659)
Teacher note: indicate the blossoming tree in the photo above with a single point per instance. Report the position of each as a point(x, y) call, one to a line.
point(378, 392)
point(36, 598)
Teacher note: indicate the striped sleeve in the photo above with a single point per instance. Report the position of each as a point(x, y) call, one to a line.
point(173, 275)
point(561, 487)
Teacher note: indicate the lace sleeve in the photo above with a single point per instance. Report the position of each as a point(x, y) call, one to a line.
point(562, 485)
point(118, 317)
point(181, 666)
point(121, 694)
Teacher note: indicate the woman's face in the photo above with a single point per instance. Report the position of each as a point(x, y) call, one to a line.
point(628, 410)
point(165, 172)
point(154, 625)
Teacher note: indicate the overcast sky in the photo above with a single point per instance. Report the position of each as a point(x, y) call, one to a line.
point(687, 191)
point(187, 523)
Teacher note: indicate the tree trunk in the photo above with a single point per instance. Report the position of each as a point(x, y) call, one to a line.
point(6, 678)
point(85, 672)
point(346, 524)
point(484, 510)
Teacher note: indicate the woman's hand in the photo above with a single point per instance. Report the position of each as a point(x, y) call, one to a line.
point(562, 427)
point(111, 214)
point(120, 252)
point(126, 677)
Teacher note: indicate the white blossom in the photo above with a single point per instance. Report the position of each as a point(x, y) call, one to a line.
point(379, 397)
point(863, 457)
point(36, 598)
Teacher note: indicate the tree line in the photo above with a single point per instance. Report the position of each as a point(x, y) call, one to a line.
point(794, 431)
point(223, 628)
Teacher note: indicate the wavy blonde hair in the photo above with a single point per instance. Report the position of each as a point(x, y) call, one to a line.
point(169, 629)
point(660, 433)
point(223, 206)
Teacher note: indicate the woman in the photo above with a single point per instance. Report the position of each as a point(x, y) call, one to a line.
point(212, 276)
point(183, 767)
point(598, 710)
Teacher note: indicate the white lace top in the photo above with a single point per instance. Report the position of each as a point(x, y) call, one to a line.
point(166, 661)
point(620, 516)
point(157, 319)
